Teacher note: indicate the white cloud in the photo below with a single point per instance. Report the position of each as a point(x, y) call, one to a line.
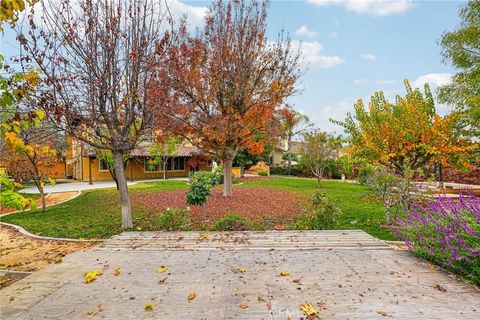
point(195, 14)
point(371, 7)
point(369, 57)
point(433, 79)
point(311, 55)
point(360, 82)
point(303, 31)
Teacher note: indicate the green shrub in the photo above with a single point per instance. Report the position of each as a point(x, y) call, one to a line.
point(322, 214)
point(262, 173)
point(294, 170)
point(331, 170)
point(365, 172)
point(204, 177)
point(199, 190)
point(218, 173)
point(233, 222)
point(175, 219)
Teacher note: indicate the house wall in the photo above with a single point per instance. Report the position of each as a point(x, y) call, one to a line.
point(277, 157)
point(135, 169)
point(57, 171)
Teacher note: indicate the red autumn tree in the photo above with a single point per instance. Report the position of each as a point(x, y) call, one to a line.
point(96, 59)
point(222, 87)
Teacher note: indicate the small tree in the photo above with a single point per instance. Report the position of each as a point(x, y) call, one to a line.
point(318, 148)
point(162, 151)
point(393, 189)
point(199, 191)
point(30, 154)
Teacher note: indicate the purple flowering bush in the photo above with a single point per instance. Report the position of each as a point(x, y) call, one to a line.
point(445, 231)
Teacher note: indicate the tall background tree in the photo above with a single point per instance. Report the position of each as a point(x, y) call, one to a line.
point(407, 134)
point(97, 58)
point(222, 88)
point(294, 124)
point(462, 49)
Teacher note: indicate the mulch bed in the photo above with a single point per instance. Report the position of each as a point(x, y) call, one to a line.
point(255, 203)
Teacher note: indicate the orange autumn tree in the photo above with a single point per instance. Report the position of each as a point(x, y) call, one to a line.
point(29, 150)
point(222, 88)
point(407, 134)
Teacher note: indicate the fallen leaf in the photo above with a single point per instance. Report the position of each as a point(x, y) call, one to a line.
point(430, 265)
point(162, 269)
point(117, 272)
point(383, 314)
point(58, 260)
point(149, 306)
point(440, 288)
point(192, 296)
point(241, 270)
point(260, 299)
point(91, 276)
point(204, 236)
point(308, 309)
point(243, 306)
point(284, 273)
point(162, 281)
point(11, 298)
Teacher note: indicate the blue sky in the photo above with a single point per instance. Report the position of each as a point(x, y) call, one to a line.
point(353, 48)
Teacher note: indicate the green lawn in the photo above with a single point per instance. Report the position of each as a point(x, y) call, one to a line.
point(96, 213)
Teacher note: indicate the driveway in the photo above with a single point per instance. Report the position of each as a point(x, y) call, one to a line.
point(80, 186)
point(342, 274)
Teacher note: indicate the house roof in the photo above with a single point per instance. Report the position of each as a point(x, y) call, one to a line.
point(143, 150)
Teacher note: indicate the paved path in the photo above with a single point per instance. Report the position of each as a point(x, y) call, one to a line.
point(344, 274)
point(80, 186)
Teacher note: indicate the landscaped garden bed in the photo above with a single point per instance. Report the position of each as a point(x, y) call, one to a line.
point(254, 203)
point(95, 213)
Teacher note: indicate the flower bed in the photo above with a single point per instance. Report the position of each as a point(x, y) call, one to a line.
point(447, 232)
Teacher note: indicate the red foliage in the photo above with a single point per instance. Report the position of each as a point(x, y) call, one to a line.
point(253, 203)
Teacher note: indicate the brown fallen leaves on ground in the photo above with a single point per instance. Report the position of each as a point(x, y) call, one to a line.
point(250, 202)
point(22, 253)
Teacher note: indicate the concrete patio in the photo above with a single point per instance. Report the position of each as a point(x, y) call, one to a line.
point(343, 274)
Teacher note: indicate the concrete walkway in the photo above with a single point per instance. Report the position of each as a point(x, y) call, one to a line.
point(342, 274)
point(81, 186)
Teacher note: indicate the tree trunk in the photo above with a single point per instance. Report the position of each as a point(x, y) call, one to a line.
point(227, 177)
point(123, 191)
point(42, 195)
point(164, 165)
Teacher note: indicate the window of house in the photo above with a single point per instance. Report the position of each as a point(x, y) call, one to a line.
point(149, 166)
point(178, 164)
point(103, 165)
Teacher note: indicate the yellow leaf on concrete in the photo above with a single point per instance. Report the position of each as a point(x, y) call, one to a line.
point(308, 309)
point(91, 276)
point(192, 296)
point(117, 272)
point(149, 306)
point(241, 270)
point(162, 269)
point(284, 273)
